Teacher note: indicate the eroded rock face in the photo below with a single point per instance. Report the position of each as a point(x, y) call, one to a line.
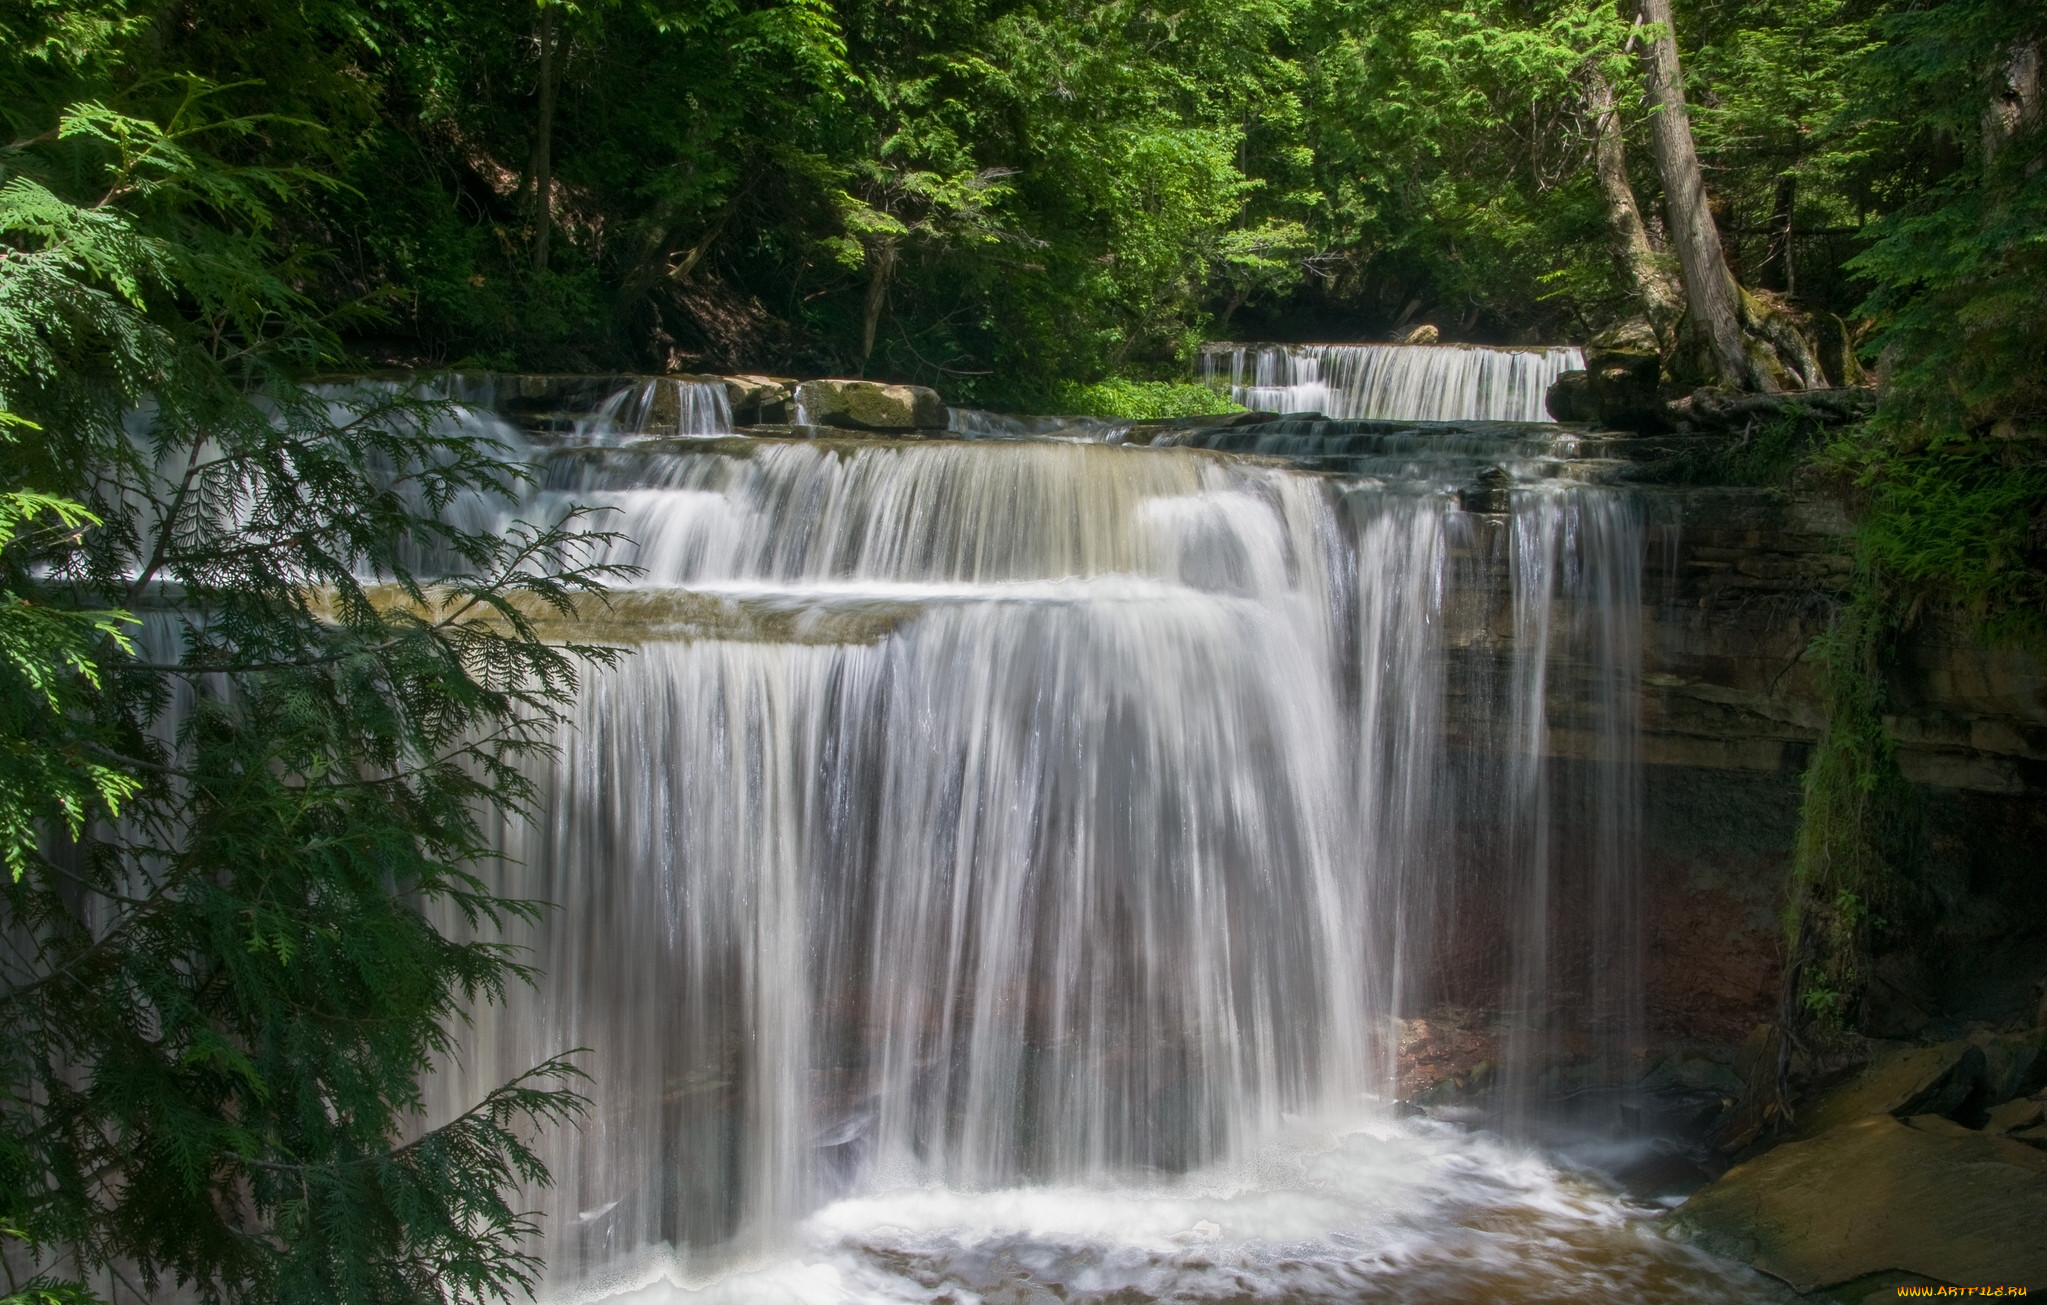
point(757, 399)
point(1878, 1195)
point(1569, 398)
point(870, 405)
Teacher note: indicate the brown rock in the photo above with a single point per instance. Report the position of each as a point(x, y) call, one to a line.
point(1876, 1196)
point(1906, 1081)
point(1569, 398)
point(870, 405)
point(2013, 1116)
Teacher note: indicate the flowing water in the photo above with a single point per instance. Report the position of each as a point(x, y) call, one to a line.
point(1426, 382)
point(660, 405)
point(1002, 867)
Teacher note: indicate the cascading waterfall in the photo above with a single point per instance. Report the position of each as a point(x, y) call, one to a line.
point(1400, 381)
point(988, 819)
point(660, 405)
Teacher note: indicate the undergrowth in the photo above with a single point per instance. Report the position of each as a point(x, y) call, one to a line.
point(1764, 454)
point(1140, 400)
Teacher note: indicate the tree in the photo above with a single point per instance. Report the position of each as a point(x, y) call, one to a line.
point(1750, 344)
point(1711, 296)
point(1657, 296)
point(228, 818)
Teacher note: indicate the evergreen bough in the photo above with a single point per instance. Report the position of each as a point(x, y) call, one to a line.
point(260, 694)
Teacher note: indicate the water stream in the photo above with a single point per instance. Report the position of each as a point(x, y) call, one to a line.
point(1003, 868)
point(1442, 382)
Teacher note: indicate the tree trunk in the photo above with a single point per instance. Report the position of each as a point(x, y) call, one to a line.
point(543, 144)
point(1661, 301)
point(1710, 290)
point(2015, 97)
point(881, 262)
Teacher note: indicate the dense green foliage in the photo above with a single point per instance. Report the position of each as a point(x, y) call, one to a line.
point(260, 691)
point(252, 725)
point(1141, 400)
point(1000, 197)
point(992, 197)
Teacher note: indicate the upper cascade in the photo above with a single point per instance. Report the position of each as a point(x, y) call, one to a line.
point(661, 405)
point(1411, 382)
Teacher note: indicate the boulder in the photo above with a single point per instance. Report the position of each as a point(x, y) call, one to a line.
point(1423, 334)
point(756, 399)
point(870, 405)
point(1624, 371)
point(2015, 1066)
point(1933, 1080)
point(2015, 1117)
point(1569, 398)
point(1879, 1195)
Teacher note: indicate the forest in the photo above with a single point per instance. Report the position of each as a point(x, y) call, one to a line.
point(215, 1010)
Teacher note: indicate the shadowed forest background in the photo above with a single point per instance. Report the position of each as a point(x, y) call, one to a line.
point(995, 197)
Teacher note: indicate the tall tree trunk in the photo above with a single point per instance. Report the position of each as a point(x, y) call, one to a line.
point(1661, 301)
point(2015, 96)
point(543, 144)
point(1710, 291)
point(881, 263)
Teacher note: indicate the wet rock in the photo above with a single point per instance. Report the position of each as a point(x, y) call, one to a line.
point(760, 399)
point(870, 405)
point(1935, 1080)
point(2015, 1116)
point(1624, 372)
point(1444, 1057)
point(1695, 1075)
point(1878, 1195)
point(1569, 398)
point(1492, 493)
point(1423, 334)
point(2015, 1067)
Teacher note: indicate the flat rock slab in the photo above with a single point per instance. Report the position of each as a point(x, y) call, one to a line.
point(869, 405)
point(1903, 1081)
point(1878, 1195)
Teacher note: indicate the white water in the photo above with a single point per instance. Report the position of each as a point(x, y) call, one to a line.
point(1399, 381)
point(1020, 870)
point(660, 405)
point(1417, 1213)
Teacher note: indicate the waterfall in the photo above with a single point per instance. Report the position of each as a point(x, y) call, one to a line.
point(1018, 814)
point(1402, 381)
point(661, 405)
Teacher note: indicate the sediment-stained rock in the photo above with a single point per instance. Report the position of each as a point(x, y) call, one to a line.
point(870, 405)
point(1928, 1197)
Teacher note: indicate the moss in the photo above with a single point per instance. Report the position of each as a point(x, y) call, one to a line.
point(1858, 836)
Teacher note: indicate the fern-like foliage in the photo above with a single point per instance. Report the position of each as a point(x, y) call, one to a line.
point(261, 691)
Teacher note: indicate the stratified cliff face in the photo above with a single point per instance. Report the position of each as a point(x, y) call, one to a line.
point(1740, 581)
point(1737, 582)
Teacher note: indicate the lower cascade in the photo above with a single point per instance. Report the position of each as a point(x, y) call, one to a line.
point(1030, 848)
